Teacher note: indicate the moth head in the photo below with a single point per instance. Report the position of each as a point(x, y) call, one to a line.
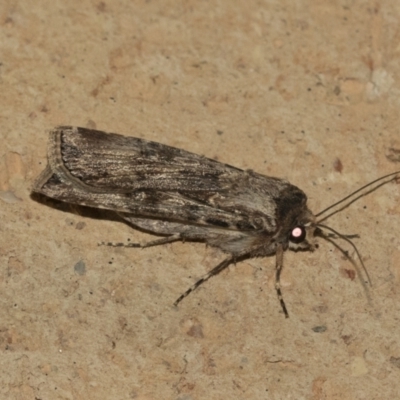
point(297, 222)
point(302, 232)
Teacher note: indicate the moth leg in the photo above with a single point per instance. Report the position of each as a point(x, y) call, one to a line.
point(278, 270)
point(333, 236)
point(215, 271)
point(163, 240)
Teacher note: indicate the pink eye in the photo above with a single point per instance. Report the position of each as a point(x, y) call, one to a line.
point(298, 234)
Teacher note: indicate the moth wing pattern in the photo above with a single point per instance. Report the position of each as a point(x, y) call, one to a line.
point(148, 182)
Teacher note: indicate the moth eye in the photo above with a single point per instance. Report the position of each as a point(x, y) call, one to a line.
point(298, 234)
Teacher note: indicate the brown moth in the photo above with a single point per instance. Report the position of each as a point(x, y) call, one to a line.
point(185, 196)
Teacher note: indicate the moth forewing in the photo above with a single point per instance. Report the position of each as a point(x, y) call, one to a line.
point(179, 195)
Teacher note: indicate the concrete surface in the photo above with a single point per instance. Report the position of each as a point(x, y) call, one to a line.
point(308, 91)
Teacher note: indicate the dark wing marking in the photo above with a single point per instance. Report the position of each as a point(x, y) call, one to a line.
point(149, 179)
point(112, 161)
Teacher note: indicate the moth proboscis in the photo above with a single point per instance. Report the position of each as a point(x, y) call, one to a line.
point(184, 196)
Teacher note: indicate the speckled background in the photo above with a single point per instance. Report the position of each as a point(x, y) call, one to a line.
point(308, 91)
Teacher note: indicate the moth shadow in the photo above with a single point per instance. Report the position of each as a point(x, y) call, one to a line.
point(83, 211)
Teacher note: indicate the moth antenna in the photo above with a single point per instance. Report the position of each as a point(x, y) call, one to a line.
point(393, 175)
point(347, 256)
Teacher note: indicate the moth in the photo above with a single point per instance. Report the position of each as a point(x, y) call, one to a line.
point(184, 196)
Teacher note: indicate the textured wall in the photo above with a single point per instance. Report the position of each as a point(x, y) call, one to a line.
point(308, 91)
